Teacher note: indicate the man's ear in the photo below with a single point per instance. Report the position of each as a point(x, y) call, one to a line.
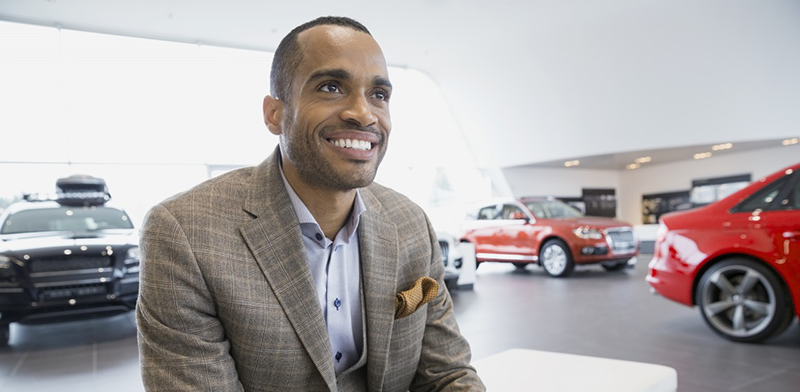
point(273, 114)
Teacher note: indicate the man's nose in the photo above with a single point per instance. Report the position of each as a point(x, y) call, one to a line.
point(359, 111)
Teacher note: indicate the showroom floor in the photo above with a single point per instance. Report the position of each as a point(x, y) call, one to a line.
point(592, 313)
point(613, 315)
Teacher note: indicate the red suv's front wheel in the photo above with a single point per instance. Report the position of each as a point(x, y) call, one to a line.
point(556, 259)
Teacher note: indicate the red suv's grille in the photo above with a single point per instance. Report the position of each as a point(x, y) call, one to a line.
point(621, 240)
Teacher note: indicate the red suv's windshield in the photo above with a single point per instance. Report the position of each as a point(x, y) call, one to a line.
point(548, 209)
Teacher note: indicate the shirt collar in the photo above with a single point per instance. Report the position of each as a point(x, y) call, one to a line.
point(305, 218)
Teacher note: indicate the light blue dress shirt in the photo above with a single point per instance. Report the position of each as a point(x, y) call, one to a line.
point(335, 269)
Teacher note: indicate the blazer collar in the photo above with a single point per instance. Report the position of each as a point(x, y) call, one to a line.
point(275, 240)
point(378, 244)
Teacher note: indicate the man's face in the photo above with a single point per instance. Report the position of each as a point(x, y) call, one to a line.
point(336, 124)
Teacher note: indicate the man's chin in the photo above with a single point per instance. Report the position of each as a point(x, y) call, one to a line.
point(339, 181)
point(355, 183)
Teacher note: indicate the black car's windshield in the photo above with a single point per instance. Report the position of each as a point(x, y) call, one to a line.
point(547, 209)
point(78, 219)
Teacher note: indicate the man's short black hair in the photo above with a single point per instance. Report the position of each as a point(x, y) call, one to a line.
point(289, 54)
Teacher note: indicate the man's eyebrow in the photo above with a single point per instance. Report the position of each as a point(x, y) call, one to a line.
point(330, 74)
point(342, 74)
point(381, 81)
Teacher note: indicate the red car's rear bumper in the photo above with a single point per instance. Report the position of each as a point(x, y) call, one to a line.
point(668, 281)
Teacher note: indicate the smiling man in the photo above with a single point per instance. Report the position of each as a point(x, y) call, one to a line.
point(300, 274)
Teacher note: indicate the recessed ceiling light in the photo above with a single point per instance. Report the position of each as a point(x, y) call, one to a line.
point(572, 163)
point(632, 166)
point(789, 142)
point(702, 155)
point(642, 160)
point(723, 146)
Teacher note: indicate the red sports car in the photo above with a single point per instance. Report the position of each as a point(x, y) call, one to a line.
point(737, 259)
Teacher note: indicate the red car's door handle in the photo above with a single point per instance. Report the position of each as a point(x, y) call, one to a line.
point(791, 234)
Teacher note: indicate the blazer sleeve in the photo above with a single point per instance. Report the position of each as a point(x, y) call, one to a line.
point(445, 357)
point(182, 343)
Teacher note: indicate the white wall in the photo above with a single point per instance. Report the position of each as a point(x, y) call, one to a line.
point(678, 176)
point(558, 182)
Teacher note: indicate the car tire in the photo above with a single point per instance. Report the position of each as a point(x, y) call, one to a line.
point(744, 301)
point(520, 266)
point(5, 334)
point(556, 258)
point(614, 266)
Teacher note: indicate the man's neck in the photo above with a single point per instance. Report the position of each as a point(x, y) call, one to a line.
point(330, 207)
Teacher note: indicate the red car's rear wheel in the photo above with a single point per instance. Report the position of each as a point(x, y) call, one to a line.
point(744, 301)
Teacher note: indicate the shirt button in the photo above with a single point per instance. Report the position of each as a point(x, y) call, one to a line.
point(337, 303)
point(319, 237)
point(338, 356)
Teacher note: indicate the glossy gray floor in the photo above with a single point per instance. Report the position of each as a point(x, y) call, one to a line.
point(593, 313)
point(612, 315)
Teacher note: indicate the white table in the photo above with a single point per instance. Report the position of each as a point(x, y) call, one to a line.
point(542, 371)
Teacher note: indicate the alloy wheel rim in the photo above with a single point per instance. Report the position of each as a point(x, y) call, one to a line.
point(739, 301)
point(554, 259)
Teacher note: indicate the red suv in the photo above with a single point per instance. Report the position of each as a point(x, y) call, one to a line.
point(549, 233)
point(737, 259)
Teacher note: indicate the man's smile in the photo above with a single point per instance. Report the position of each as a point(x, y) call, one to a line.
point(354, 144)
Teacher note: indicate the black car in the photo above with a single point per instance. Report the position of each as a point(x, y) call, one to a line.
point(65, 257)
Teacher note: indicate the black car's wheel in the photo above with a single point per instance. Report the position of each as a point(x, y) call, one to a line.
point(5, 334)
point(520, 266)
point(744, 301)
point(556, 259)
point(614, 266)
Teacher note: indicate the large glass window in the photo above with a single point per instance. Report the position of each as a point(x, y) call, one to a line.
point(154, 118)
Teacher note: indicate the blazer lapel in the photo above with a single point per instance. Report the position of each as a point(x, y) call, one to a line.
point(378, 250)
point(276, 242)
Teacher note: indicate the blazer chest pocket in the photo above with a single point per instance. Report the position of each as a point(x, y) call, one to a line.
point(408, 331)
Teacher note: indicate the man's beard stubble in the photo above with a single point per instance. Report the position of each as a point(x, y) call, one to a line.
point(316, 171)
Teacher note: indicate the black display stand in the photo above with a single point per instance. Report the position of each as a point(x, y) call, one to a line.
point(600, 202)
point(657, 204)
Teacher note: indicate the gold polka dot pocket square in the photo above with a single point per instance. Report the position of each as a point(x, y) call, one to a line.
point(425, 289)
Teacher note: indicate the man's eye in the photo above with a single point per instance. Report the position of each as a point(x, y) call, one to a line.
point(382, 95)
point(330, 88)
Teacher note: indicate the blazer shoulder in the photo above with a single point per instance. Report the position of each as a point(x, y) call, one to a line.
point(225, 191)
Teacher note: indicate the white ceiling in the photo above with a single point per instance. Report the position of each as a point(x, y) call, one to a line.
point(620, 161)
point(534, 81)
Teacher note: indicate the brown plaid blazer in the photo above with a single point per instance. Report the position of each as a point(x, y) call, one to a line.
point(227, 303)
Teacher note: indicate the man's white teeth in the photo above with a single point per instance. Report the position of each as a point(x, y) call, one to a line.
point(352, 143)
